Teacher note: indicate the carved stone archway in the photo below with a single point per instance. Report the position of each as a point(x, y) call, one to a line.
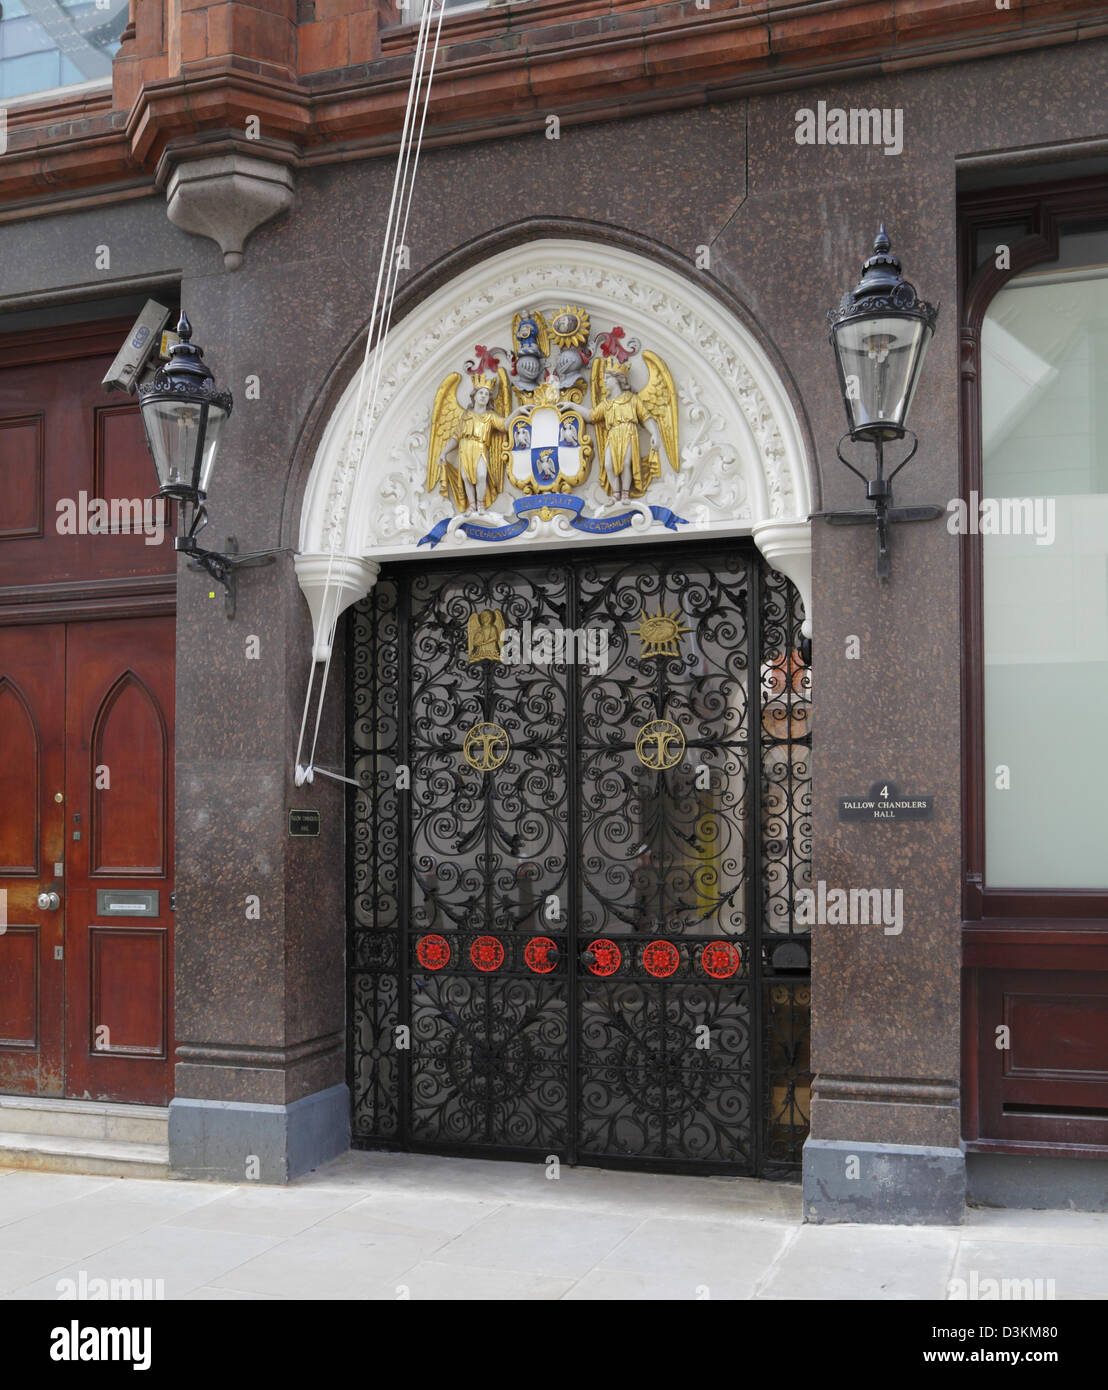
point(743, 470)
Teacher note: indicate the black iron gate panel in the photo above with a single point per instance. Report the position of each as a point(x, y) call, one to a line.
point(581, 826)
point(668, 1051)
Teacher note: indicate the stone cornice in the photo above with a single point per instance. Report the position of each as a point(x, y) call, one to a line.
point(192, 107)
point(502, 70)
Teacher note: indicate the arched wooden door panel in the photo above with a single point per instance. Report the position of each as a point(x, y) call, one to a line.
point(32, 760)
point(86, 812)
point(119, 976)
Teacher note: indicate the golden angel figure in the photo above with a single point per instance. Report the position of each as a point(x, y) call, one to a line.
point(618, 412)
point(484, 631)
point(477, 436)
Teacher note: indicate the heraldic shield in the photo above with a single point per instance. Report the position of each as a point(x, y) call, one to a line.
point(549, 449)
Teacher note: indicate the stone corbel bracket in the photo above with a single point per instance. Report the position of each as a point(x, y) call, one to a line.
point(332, 583)
point(227, 197)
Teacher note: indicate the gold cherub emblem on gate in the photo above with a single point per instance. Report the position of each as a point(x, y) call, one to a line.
point(484, 631)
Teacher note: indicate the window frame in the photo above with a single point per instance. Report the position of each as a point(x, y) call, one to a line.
point(1048, 209)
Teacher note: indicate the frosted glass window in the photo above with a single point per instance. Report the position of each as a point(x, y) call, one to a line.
point(1044, 398)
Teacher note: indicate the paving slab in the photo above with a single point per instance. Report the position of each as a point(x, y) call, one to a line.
point(431, 1280)
point(331, 1264)
point(864, 1262)
point(78, 1228)
point(23, 1192)
point(19, 1267)
point(410, 1213)
point(1039, 1270)
point(565, 1242)
point(700, 1259)
point(263, 1211)
point(1056, 1227)
point(182, 1259)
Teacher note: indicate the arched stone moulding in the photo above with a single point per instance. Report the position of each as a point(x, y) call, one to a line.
point(743, 469)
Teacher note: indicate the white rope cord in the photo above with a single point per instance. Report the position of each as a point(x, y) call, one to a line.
point(388, 272)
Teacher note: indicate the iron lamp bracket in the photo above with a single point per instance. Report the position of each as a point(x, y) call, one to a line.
point(222, 565)
point(880, 493)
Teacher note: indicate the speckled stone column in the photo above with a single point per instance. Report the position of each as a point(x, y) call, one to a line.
point(260, 1074)
point(885, 1134)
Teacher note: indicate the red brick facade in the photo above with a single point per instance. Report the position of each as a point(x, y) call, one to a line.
point(318, 72)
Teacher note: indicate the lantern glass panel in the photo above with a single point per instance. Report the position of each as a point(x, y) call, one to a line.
point(879, 361)
point(217, 418)
point(173, 427)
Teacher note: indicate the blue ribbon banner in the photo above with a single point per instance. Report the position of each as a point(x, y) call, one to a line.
point(594, 525)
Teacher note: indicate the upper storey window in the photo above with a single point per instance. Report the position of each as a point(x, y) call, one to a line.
point(46, 44)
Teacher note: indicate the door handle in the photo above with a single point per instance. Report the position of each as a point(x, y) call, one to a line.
point(49, 902)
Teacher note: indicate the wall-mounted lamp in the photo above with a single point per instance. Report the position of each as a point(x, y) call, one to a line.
point(880, 333)
point(183, 413)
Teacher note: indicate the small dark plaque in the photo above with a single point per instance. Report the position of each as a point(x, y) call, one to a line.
point(303, 822)
point(885, 802)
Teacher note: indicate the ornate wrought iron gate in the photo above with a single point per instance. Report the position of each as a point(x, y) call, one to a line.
point(574, 867)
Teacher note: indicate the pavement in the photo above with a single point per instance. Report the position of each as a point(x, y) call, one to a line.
point(395, 1226)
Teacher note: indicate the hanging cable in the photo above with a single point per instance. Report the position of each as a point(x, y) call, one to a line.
point(384, 296)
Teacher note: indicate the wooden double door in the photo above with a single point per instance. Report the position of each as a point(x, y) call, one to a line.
point(86, 859)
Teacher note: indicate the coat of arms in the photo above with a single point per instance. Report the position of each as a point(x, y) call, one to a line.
point(535, 418)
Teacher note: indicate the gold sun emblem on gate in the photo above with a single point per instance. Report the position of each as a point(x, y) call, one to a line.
point(660, 744)
point(486, 747)
point(660, 633)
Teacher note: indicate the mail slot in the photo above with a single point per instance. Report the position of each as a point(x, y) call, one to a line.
point(126, 902)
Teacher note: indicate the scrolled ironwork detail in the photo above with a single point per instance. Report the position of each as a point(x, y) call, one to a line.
point(627, 995)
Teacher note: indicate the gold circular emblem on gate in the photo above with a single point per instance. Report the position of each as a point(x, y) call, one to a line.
point(660, 744)
point(486, 746)
point(660, 633)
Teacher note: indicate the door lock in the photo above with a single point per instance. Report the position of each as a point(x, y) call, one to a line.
point(49, 902)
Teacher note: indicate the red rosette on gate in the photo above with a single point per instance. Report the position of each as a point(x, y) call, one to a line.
point(606, 956)
point(486, 953)
point(537, 957)
point(432, 952)
point(720, 959)
point(661, 959)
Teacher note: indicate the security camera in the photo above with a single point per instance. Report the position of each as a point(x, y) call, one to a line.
point(133, 356)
